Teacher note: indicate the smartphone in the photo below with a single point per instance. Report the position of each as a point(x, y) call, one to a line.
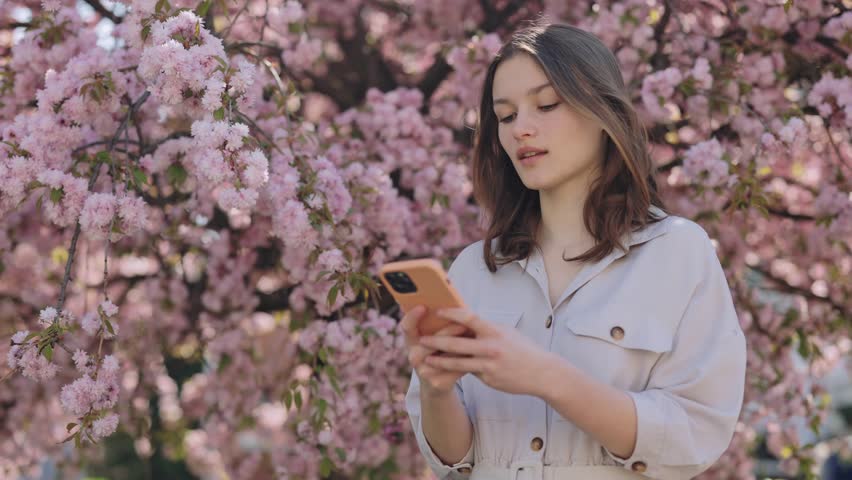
point(421, 282)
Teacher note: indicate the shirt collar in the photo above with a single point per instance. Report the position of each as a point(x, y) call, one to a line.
point(629, 239)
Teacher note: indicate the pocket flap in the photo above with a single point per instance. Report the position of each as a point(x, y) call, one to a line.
point(639, 334)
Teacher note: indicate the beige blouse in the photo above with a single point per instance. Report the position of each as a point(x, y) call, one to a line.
point(657, 322)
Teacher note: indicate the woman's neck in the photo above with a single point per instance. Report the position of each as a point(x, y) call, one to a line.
point(562, 226)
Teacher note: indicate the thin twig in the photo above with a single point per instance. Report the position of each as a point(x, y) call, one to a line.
point(100, 142)
point(96, 171)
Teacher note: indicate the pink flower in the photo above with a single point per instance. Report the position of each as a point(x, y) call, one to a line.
point(104, 427)
point(90, 323)
point(97, 214)
point(133, 212)
point(83, 362)
point(46, 316)
point(703, 164)
point(109, 308)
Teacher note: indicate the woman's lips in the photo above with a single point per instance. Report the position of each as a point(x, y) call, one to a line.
point(531, 160)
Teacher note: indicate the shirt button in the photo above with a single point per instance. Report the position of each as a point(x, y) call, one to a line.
point(617, 333)
point(536, 444)
point(639, 467)
point(464, 470)
point(549, 321)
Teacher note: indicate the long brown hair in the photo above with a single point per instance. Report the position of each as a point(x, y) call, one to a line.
point(585, 74)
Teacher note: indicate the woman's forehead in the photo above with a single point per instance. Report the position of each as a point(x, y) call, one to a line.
point(518, 77)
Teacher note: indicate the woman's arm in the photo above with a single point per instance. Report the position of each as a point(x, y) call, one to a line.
point(604, 412)
point(445, 425)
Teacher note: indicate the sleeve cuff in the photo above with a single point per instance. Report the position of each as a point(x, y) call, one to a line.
point(458, 471)
point(650, 435)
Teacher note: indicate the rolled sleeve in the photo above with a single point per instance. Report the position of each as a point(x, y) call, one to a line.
point(458, 471)
point(687, 414)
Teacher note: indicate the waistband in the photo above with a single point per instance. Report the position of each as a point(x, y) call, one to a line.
point(534, 470)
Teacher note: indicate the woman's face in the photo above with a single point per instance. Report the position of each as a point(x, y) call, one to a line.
point(531, 114)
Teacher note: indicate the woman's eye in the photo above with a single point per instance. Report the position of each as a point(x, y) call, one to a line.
point(506, 119)
point(545, 108)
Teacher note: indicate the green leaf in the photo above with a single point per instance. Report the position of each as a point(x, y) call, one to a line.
point(322, 406)
point(109, 327)
point(341, 453)
point(146, 32)
point(47, 352)
point(224, 362)
point(332, 294)
point(70, 426)
point(335, 385)
point(203, 7)
point(176, 174)
point(298, 399)
point(31, 336)
point(288, 399)
point(787, 5)
point(56, 194)
point(221, 61)
point(374, 425)
point(219, 114)
point(102, 156)
point(325, 467)
point(163, 6)
point(140, 176)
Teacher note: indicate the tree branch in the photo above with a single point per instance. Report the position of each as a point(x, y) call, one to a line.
point(96, 4)
point(785, 287)
point(72, 250)
point(440, 69)
point(658, 59)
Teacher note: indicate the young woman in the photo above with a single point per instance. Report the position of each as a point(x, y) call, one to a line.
point(601, 340)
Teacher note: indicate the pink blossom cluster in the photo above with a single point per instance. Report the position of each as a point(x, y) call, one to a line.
point(182, 64)
point(105, 215)
point(223, 165)
point(61, 35)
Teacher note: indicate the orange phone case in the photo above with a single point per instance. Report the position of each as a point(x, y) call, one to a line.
point(433, 290)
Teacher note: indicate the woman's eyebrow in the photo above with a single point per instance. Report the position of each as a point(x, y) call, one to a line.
point(529, 92)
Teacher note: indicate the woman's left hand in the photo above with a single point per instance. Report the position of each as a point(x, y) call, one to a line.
point(501, 357)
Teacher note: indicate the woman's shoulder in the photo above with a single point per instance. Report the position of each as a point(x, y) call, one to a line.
point(679, 246)
point(675, 232)
point(470, 258)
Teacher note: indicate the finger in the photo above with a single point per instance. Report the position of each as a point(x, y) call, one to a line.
point(457, 364)
point(409, 323)
point(467, 318)
point(458, 345)
point(452, 330)
point(417, 354)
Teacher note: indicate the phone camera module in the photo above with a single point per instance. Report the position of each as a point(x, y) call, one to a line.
point(401, 282)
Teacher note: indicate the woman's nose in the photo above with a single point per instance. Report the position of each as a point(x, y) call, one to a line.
point(524, 126)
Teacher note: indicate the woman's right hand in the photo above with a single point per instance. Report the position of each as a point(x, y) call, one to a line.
point(432, 380)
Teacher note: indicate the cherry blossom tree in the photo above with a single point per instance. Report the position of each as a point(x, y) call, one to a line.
point(196, 196)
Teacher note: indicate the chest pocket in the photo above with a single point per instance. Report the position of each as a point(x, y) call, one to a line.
point(488, 403)
point(617, 345)
point(628, 330)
